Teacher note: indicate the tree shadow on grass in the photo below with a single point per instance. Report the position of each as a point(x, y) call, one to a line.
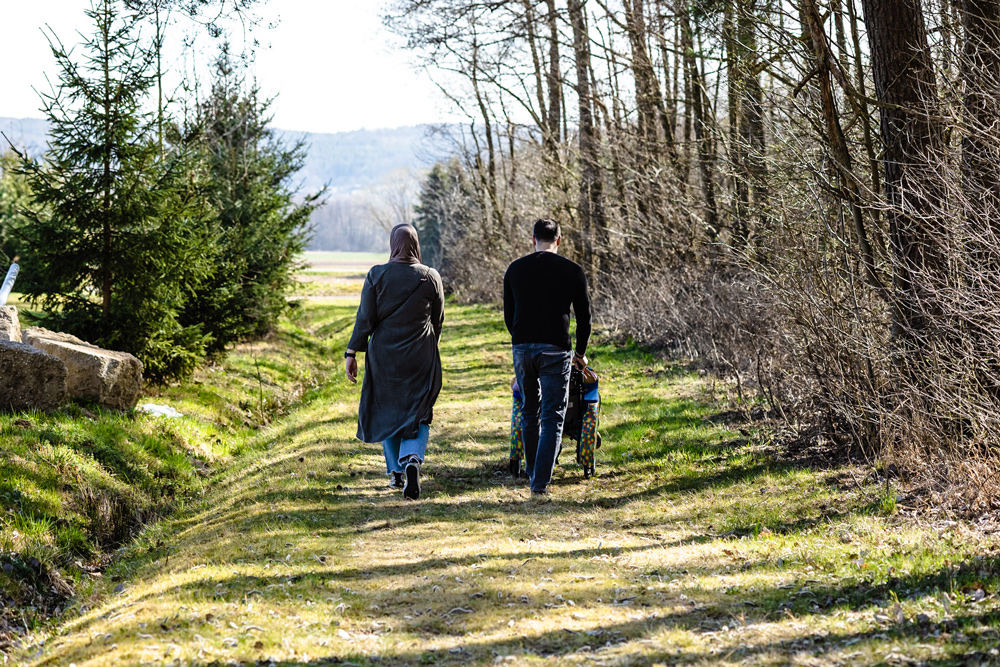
point(391, 605)
point(961, 580)
point(497, 389)
point(632, 642)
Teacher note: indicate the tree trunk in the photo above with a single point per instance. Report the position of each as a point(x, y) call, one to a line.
point(866, 119)
point(701, 135)
point(906, 89)
point(649, 107)
point(681, 79)
point(549, 141)
point(812, 24)
point(647, 92)
point(106, 235)
point(668, 113)
point(981, 71)
point(160, 27)
point(555, 73)
point(752, 125)
point(592, 219)
point(736, 77)
point(980, 179)
point(613, 132)
point(491, 169)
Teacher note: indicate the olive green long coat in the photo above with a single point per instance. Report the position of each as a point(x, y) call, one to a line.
point(399, 325)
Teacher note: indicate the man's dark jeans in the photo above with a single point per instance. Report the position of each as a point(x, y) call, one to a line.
point(542, 372)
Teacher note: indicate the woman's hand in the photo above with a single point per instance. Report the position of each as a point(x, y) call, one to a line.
point(351, 368)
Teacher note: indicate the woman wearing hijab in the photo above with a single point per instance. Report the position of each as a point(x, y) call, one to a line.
point(399, 326)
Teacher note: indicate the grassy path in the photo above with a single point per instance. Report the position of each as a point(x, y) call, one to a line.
point(693, 546)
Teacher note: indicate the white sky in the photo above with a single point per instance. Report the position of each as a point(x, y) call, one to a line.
point(331, 63)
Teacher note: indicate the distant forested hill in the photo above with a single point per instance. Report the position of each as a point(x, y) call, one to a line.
point(348, 161)
point(371, 173)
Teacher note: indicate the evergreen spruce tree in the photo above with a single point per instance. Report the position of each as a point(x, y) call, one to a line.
point(430, 213)
point(14, 198)
point(444, 212)
point(114, 246)
point(260, 224)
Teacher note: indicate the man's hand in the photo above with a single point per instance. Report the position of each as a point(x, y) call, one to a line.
point(351, 367)
point(580, 361)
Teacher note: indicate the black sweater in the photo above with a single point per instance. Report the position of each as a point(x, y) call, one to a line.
point(538, 290)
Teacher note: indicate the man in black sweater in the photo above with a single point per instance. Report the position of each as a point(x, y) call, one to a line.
point(538, 290)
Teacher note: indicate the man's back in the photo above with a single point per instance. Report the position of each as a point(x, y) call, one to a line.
point(538, 291)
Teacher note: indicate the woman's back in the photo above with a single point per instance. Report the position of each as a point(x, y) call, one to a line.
point(408, 301)
point(399, 324)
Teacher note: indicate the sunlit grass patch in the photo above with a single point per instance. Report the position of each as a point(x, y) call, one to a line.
point(329, 284)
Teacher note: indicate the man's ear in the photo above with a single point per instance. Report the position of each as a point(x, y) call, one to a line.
point(558, 240)
point(533, 241)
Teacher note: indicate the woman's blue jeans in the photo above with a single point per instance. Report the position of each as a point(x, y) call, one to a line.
point(542, 372)
point(398, 450)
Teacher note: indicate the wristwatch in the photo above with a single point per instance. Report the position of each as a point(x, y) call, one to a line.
point(348, 354)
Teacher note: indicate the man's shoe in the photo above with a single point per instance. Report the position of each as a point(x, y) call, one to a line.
point(411, 489)
point(396, 481)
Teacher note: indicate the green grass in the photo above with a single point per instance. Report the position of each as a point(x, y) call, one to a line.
point(343, 261)
point(324, 284)
point(77, 484)
point(694, 545)
point(15, 299)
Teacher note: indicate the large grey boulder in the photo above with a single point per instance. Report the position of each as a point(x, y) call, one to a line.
point(112, 379)
point(30, 378)
point(10, 325)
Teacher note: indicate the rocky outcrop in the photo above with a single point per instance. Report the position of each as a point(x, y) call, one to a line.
point(10, 325)
point(112, 379)
point(30, 378)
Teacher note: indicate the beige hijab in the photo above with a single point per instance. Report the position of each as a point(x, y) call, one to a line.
point(404, 246)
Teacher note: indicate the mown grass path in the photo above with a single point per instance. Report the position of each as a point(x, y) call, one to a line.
point(693, 546)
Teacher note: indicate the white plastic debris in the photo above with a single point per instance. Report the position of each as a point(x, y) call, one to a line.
point(160, 410)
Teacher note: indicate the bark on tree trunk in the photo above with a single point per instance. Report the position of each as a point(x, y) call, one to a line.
point(813, 26)
point(491, 168)
point(752, 127)
point(529, 21)
point(592, 219)
point(746, 122)
point(106, 236)
point(981, 71)
point(736, 77)
point(555, 73)
point(647, 89)
point(668, 112)
point(649, 106)
point(866, 122)
point(980, 180)
point(702, 139)
point(906, 89)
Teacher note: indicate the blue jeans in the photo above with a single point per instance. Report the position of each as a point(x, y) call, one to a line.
point(397, 450)
point(542, 372)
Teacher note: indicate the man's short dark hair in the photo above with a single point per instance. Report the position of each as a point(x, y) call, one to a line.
point(546, 230)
